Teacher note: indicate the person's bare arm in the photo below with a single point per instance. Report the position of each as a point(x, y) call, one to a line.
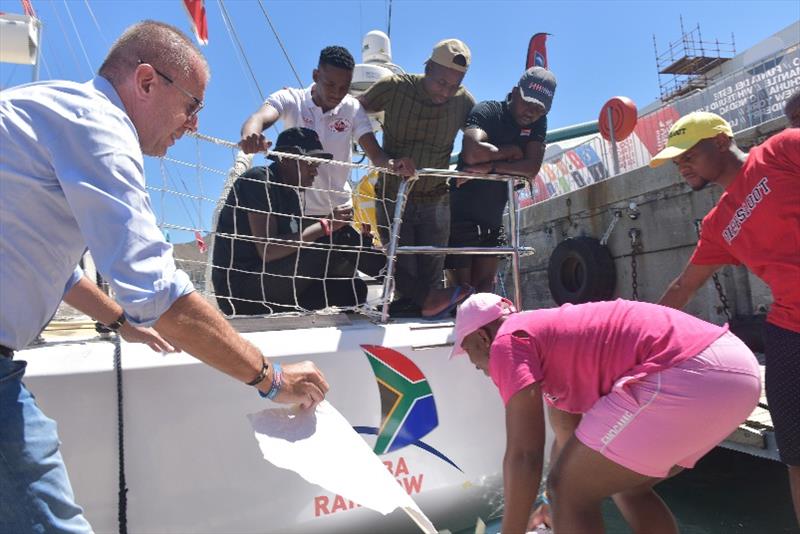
point(476, 148)
point(563, 425)
point(379, 158)
point(522, 464)
point(86, 297)
point(200, 330)
point(253, 139)
point(683, 288)
point(528, 166)
point(263, 225)
point(363, 102)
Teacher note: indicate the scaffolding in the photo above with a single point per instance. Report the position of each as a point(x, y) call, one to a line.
point(685, 65)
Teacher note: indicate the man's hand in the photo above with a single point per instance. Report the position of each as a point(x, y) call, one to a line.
point(478, 168)
point(403, 166)
point(148, 336)
point(540, 516)
point(341, 218)
point(253, 143)
point(303, 384)
point(512, 152)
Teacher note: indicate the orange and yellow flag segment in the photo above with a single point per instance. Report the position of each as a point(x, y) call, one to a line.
point(364, 205)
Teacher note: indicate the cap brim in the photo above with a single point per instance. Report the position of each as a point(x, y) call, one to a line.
point(450, 66)
point(666, 155)
point(458, 350)
point(534, 100)
point(313, 154)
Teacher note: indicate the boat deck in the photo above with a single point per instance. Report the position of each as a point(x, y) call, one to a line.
point(755, 436)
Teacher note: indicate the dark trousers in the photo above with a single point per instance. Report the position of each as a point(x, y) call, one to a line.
point(782, 381)
point(425, 223)
point(314, 278)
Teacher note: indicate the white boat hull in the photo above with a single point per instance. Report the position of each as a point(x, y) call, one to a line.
point(193, 465)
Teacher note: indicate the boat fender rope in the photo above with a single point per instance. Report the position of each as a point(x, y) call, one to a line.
point(122, 515)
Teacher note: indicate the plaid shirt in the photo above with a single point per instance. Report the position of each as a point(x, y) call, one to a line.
point(415, 127)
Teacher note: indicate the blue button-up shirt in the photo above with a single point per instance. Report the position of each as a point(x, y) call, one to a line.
point(72, 176)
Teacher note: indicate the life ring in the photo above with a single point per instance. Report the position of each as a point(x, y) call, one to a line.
point(581, 270)
point(624, 116)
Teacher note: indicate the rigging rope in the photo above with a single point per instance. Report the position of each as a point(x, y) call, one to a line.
point(280, 43)
point(64, 33)
point(96, 24)
point(232, 31)
point(80, 40)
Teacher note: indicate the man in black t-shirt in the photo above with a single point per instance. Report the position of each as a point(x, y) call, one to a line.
point(503, 138)
point(260, 266)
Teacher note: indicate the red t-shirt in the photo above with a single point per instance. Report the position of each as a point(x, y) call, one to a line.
point(757, 223)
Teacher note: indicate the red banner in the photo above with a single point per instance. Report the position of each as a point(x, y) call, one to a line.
point(201, 244)
point(537, 51)
point(197, 13)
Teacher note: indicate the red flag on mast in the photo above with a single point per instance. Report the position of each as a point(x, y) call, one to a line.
point(537, 51)
point(197, 13)
point(27, 7)
point(201, 244)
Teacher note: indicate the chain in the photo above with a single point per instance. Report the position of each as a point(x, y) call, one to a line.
point(723, 298)
point(636, 246)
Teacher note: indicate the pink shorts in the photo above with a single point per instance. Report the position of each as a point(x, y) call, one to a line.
point(676, 416)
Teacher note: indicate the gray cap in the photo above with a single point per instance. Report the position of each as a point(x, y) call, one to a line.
point(538, 85)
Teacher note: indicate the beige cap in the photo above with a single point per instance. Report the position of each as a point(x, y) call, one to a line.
point(451, 53)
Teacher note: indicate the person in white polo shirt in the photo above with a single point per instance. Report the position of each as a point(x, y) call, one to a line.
point(338, 119)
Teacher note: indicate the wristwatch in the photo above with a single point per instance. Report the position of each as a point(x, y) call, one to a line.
point(116, 325)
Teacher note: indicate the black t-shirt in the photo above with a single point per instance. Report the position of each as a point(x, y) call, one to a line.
point(481, 201)
point(256, 190)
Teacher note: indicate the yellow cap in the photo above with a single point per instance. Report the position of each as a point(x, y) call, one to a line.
point(451, 53)
point(690, 130)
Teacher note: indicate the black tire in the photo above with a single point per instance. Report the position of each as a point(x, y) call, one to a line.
point(581, 270)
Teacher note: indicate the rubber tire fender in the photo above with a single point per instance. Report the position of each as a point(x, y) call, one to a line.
point(581, 270)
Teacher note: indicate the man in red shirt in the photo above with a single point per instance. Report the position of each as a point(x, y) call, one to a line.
point(756, 223)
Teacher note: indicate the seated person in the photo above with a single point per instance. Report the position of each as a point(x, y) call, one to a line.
point(268, 257)
point(504, 138)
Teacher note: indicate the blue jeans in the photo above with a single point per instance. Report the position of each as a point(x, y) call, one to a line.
point(35, 493)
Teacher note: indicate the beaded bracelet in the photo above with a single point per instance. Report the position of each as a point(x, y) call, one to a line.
point(277, 383)
point(326, 226)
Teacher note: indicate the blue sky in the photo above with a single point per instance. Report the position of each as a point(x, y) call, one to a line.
point(597, 50)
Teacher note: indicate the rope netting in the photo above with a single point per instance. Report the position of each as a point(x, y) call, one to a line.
point(261, 252)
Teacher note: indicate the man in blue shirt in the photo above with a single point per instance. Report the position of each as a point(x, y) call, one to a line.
point(72, 176)
point(504, 138)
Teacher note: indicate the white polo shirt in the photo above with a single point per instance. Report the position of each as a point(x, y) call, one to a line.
point(338, 129)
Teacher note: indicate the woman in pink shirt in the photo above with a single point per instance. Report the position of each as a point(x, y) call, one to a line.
point(635, 392)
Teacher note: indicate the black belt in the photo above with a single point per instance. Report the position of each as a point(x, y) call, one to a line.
point(6, 352)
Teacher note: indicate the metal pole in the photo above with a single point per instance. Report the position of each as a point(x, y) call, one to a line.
point(613, 142)
point(39, 27)
point(394, 236)
point(512, 218)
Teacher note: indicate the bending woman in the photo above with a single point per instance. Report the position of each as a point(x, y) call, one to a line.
point(623, 381)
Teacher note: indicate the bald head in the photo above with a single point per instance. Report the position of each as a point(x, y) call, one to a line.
point(153, 42)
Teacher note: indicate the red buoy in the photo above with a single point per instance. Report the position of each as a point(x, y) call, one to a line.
point(623, 118)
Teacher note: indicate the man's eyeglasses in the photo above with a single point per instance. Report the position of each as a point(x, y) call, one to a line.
point(198, 104)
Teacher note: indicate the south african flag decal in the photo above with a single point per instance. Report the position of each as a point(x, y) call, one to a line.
point(408, 410)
